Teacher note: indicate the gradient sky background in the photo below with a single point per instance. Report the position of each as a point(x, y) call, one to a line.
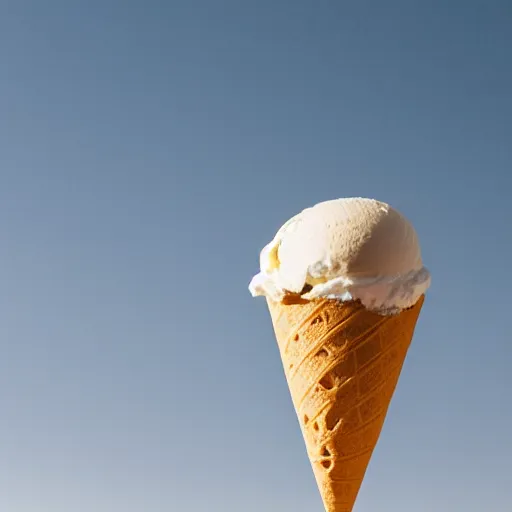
point(148, 151)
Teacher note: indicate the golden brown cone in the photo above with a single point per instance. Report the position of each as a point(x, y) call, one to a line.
point(342, 364)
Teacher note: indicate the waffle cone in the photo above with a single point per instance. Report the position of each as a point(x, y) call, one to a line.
point(342, 363)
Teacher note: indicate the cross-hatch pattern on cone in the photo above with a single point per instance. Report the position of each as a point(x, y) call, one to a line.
point(342, 363)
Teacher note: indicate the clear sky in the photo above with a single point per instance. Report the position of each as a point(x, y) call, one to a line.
point(148, 151)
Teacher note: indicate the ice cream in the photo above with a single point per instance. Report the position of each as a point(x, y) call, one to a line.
point(347, 249)
point(344, 282)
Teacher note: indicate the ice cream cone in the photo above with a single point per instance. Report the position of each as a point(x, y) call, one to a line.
point(342, 363)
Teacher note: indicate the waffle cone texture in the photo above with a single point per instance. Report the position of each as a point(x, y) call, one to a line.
point(342, 363)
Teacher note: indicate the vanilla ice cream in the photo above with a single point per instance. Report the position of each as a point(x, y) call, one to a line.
point(345, 249)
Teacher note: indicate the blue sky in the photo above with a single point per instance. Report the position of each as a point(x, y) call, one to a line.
point(148, 150)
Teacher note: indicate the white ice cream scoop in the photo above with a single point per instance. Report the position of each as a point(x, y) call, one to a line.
point(345, 249)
